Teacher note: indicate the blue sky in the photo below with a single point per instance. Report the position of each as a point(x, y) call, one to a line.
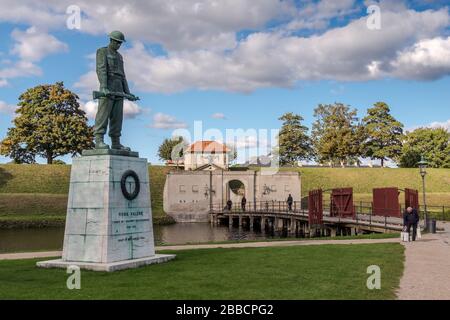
point(245, 61)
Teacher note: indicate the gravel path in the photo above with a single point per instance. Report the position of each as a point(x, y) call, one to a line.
point(427, 268)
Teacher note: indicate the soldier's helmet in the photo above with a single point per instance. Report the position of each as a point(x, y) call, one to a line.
point(117, 35)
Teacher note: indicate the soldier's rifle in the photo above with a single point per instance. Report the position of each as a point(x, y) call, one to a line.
point(100, 94)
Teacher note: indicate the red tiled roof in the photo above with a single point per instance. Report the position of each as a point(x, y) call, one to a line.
point(207, 147)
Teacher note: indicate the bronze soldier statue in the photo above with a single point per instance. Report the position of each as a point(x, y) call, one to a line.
point(113, 89)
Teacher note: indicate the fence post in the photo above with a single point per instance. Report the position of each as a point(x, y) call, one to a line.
point(443, 213)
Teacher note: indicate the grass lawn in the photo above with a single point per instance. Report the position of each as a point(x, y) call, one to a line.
point(303, 272)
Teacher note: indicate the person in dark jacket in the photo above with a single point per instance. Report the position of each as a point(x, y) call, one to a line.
point(289, 201)
point(243, 203)
point(229, 205)
point(411, 219)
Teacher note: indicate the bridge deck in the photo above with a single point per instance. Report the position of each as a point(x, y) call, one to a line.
point(366, 221)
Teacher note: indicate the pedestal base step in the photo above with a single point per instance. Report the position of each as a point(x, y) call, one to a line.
point(111, 152)
point(108, 267)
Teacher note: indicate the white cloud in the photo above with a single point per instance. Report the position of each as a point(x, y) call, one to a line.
point(165, 121)
point(32, 45)
point(130, 109)
point(87, 83)
point(176, 24)
point(317, 15)
point(427, 59)
point(249, 141)
point(20, 69)
point(7, 108)
point(445, 125)
point(203, 52)
point(350, 53)
point(218, 115)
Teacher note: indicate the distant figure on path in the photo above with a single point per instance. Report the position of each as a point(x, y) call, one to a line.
point(243, 203)
point(411, 218)
point(289, 201)
point(229, 205)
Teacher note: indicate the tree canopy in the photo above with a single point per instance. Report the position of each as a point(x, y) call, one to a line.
point(172, 149)
point(336, 135)
point(432, 144)
point(49, 123)
point(294, 142)
point(384, 133)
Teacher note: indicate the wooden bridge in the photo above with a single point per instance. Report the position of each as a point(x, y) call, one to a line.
point(278, 216)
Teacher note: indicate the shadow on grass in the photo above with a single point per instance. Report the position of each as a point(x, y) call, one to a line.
point(5, 176)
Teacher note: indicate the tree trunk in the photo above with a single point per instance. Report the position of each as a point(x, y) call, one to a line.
point(49, 157)
point(382, 162)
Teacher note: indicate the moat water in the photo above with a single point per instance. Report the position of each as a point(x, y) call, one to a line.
point(22, 240)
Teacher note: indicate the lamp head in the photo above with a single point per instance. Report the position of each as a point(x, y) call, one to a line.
point(422, 166)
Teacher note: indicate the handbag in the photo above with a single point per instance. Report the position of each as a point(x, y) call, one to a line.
point(404, 235)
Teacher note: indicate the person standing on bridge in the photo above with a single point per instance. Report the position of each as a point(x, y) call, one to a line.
point(229, 205)
point(289, 201)
point(411, 219)
point(243, 203)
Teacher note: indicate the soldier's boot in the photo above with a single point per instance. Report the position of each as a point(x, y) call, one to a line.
point(116, 144)
point(99, 143)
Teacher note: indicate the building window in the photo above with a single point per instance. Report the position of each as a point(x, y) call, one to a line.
point(182, 188)
point(195, 188)
point(273, 188)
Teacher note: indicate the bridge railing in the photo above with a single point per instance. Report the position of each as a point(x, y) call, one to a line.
point(363, 210)
point(259, 206)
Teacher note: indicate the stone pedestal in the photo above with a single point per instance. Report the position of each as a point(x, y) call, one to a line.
point(109, 219)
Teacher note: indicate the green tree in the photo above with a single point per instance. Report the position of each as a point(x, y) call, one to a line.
point(431, 143)
point(172, 149)
point(336, 136)
point(384, 133)
point(294, 142)
point(233, 153)
point(49, 123)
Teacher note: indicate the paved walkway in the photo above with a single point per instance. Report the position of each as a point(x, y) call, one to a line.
point(427, 268)
point(32, 255)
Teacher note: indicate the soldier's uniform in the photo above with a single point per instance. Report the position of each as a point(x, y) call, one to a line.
point(111, 76)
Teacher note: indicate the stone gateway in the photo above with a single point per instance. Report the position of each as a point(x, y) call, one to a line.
point(189, 195)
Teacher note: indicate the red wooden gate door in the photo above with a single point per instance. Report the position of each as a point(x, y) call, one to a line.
point(385, 202)
point(342, 203)
point(412, 198)
point(315, 207)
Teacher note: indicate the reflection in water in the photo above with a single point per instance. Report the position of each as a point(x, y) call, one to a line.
point(22, 240)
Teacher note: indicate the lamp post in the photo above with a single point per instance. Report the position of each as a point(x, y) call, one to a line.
point(423, 171)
